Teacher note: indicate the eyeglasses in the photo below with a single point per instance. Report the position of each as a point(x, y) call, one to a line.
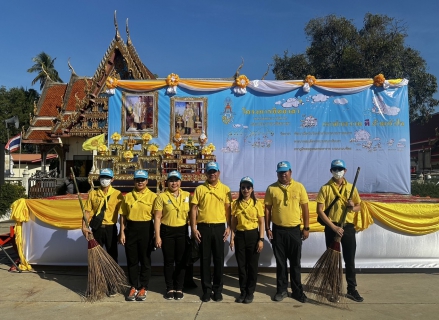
point(139, 180)
point(246, 187)
point(337, 169)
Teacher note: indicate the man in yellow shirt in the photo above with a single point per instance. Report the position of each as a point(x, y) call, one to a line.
point(103, 206)
point(209, 212)
point(338, 186)
point(285, 200)
point(136, 233)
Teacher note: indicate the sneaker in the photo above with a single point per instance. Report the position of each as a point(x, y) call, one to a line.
point(241, 298)
point(131, 296)
point(217, 296)
point(205, 297)
point(169, 295)
point(249, 298)
point(280, 296)
point(178, 295)
point(111, 292)
point(301, 297)
point(354, 295)
point(141, 295)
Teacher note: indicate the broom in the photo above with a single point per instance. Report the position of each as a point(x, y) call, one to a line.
point(104, 274)
point(326, 277)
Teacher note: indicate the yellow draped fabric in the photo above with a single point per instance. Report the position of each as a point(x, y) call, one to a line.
point(93, 143)
point(409, 218)
point(215, 85)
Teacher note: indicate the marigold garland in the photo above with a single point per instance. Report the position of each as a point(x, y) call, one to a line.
point(111, 83)
point(242, 81)
point(379, 80)
point(172, 80)
point(311, 80)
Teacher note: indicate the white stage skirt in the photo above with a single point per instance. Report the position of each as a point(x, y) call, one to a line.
point(377, 247)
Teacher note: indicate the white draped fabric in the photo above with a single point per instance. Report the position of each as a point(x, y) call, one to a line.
point(377, 247)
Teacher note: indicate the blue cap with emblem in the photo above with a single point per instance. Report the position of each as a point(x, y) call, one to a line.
point(283, 166)
point(247, 179)
point(338, 163)
point(140, 174)
point(107, 172)
point(212, 166)
point(174, 174)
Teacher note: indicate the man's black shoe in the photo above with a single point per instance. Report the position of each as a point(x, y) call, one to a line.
point(248, 298)
point(280, 296)
point(354, 295)
point(206, 297)
point(217, 296)
point(301, 297)
point(241, 298)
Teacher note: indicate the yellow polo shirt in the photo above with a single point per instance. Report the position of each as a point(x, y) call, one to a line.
point(326, 195)
point(175, 211)
point(286, 210)
point(137, 206)
point(247, 214)
point(210, 201)
point(96, 199)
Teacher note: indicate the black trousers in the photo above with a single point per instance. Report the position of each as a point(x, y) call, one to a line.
point(246, 243)
point(211, 246)
point(138, 235)
point(174, 248)
point(349, 247)
point(287, 244)
point(106, 236)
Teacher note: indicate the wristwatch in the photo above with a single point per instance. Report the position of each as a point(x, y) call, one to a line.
point(306, 228)
point(261, 239)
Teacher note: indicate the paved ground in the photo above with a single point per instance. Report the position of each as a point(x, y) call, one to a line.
point(53, 293)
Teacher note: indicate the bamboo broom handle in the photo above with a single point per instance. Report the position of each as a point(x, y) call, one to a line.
point(345, 211)
point(79, 198)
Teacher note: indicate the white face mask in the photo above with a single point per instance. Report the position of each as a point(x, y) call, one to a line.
point(337, 174)
point(105, 182)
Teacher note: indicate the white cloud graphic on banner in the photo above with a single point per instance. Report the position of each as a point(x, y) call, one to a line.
point(341, 101)
point(320, 98)
point(291, 103)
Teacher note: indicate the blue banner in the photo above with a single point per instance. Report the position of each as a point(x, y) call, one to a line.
point(252, 132)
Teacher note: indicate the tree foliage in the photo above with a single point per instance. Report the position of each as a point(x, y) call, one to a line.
point(15, 102)
point(8, 194)
point(45, 68)
point(338, 50)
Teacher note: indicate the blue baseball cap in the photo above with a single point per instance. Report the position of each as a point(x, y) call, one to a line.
point(338, 163)
point(212, 166)
point(283, 166)
point(247, 179)
point(107, 172)
point(174, 174)
point(140, 174)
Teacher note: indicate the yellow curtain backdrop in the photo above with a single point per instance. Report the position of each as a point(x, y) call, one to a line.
point(409, 218)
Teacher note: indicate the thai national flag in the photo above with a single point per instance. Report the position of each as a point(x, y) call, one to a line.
point(13, 143)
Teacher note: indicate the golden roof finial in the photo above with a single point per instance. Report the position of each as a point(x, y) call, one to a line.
point(117, 28)
point(268, 69)
point(70, 66)
point(128, 34)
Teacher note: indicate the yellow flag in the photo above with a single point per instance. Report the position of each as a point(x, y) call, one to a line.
point(93, 143)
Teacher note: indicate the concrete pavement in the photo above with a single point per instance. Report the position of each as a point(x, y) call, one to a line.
point(53, 293)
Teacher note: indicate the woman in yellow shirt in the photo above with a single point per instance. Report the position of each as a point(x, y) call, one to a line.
point(171, 210)
point(248, 229)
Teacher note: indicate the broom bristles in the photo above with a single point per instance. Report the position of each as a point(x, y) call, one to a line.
point(104, 274)
point(325, 278)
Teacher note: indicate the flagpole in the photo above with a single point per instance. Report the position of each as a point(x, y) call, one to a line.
point(19, 160)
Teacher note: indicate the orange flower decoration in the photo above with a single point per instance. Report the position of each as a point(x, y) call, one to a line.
point(378, 80)
point(242, 81)
point(111, 83)
point(172, 80)
point(311, 80)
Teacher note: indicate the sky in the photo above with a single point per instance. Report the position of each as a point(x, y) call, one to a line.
point(192, 38)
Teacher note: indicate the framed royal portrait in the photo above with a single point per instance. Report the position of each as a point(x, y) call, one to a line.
point(188, 116)
point(139, 114)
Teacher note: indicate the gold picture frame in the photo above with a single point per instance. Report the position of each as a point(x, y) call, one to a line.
point(139, 114)
point(188, 116)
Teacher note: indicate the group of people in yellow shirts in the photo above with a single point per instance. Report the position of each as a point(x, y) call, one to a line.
point(149, 220)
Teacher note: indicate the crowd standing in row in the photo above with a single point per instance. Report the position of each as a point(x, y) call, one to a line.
point(148, 220)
